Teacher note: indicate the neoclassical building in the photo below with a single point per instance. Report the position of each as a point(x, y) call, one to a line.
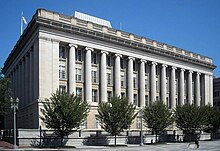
point(91, 59)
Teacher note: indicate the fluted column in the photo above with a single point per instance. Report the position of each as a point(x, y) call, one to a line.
point(163, 84)
point(189, 96)
point(142, 83)
point(130, 86)
point(197, 92)
point(103, 81)
point(117, 85)
point(181, 88)
point(173, 87)
point(153, 82)
point(88, 77)
point(72, 79)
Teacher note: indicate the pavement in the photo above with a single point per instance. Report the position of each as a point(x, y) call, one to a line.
point(204, 146)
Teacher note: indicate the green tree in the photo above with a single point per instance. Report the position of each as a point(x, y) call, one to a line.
point(116, 115)
point(189, 118)
point(64, 112)
point(157, 117)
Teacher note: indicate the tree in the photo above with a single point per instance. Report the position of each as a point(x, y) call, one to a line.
point(64, 112)
point(116, 115)
point(157, 117)
point(189, 118)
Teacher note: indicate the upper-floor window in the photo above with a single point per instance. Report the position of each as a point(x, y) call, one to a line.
point(108, 78)
point(109, 95)
point(135, 99)
point(78, 55)
point(94, 58)
point(94, 76)
point(134, 66)
point(122, 80)
point(62, 72)
point(108, 61)
point(122, 62)
point(78, 74)
point(135, 82)
point(62, 52)
point(94, 95)
point(123, 95)
point(157, 86)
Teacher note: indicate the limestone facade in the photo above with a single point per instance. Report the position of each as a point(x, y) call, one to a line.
point(97, 63)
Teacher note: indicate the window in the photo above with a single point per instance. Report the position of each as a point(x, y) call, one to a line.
point(122, 63)
point(78, 74)
point(108, 61)
point(62, 88)
point(122, 80)
point(94, 58)
point(146, 83)
point(78, 55)
point(62, 72)
point(94, 76)
point(94, 95)
point(79, 92)
point(185, 87)
point(123, 95)
point(167, 85)
point(193, 88)
point(157, 86)
point(134, 66)
point(62, 52)
point(109, 78)
point(109, 95)
point(176, 84)
point(135, 99)
point(135, 82)
point(146, 100)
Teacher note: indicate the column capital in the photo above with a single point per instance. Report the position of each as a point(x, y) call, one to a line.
point(89, 49)
point(143, 60)
point(73, 45)
point(164, 65)
point(118, 55)
point(198, 73)
point(182, 69)
point(153, 63)
point(131, 58)
point(102, 52)
point(173, 67)
point(190, 71)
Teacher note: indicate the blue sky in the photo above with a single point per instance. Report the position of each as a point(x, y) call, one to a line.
point(193, 25)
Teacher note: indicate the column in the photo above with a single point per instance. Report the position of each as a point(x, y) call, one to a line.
point(189, 96)
point(72, 78)
point(153, 82)
point(142, 83)
point(117, 85)
point(103, 78)
point(130, 86)
point(23, 83)
point(88, 73)
point(26, 77)
point(173, 88)
point(163, 84)
point(211, 90)
point(181, 88)
point(30, 76)
point(197, 88)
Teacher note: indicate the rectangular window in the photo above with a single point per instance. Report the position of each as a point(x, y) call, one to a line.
point(62, 72)
point(94, 76)
point(109, 78)
point(122, 80)
point(78, 74)
point(122, 63)
point(146, 100)
point(123, 95)
point(78, 55)
point(193, 87)
point(135, 82)
point(94, 58)
point(94, 95)
point(79, 92)
point(184, 87)
point(146, 83)
point(135, 99)
point(109, 95)
point(62, 88)
point(108, 61)
point(62, 52)
point(176, 83)
point(134, 66)
point(157, 86)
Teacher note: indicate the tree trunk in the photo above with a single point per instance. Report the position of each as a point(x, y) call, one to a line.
point(156, 136)
point(115, 139)
point(61, 141)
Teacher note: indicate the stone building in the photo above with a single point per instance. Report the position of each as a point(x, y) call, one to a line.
point(216, 92)
point(96, 61)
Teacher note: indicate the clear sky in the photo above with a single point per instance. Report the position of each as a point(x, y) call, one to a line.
point(193, 25)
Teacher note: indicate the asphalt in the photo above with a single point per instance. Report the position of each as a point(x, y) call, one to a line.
point(204, 146)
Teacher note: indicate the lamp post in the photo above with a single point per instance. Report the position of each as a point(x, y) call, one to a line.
point(141, 134)
point(14, 105)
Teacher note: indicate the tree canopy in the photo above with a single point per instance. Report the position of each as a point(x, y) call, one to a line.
point(64, 112)
point(116, 116)
point(157, 116)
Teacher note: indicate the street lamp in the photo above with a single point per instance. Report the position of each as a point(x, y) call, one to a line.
point(141, 134)
point(14, 105)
